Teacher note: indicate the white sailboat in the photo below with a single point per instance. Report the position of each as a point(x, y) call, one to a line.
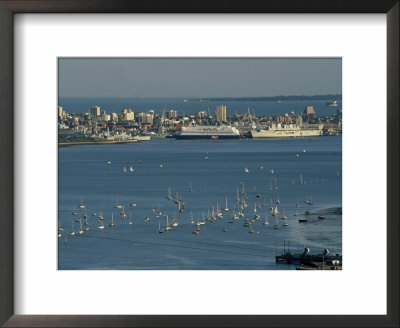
point(74, 212)
point(131, 169)
point(284, 217)
point(123, 214)
point(277, 198)
point(276, 226)
point(275, 212)
point(251, 230)
point(81, 205)
point(169, 195)
point(101, 226)
point(112, 224)
point(246, 170)
point(124, 169)
point(72, 233)
point(226, 204)
point(118, 205)
point(159, 228)
point(80, 228)
point(167, 226)
point(266, 222)
point(130, 218)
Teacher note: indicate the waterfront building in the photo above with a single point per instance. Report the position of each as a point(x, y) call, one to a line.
point(127, 115)
point(61, 112)
point(221, 113)
point(309, 111)
point(95, 111)
point(104, 117)
point(172, 114)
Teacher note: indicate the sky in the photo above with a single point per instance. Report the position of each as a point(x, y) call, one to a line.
point(201, 77)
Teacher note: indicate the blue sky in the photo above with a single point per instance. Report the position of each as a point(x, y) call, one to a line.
point(234, 77)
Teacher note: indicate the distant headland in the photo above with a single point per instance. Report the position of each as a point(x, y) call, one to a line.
point(279, 98)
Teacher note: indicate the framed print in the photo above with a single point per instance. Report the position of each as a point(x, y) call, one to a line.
point(108, 200)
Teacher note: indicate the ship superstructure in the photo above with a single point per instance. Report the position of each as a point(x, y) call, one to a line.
point(208, 132)
point(280, 130)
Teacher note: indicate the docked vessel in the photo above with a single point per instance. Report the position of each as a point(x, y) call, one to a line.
point(208, 132)
point(142, 138)
point(280, 130)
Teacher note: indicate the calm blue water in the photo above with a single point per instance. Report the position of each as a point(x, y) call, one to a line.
point(80, 105)
point(83, 172)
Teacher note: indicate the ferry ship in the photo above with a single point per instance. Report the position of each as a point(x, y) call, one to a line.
point(280, 130)
point(208, 132)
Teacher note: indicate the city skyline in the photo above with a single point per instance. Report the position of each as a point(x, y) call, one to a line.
point(194, 77)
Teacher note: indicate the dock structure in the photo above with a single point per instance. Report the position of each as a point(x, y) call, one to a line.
point(309, 261)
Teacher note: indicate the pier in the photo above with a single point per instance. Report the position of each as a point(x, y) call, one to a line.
point(309, 261)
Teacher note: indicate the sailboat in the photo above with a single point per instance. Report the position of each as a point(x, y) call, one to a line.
point(175, 221)
point(130, 218)
point(81, 204)
point(277, 199)
point(169, 195)
point(60, 229)
point(85, 215)
point(123, 214)
point(131, 169)
point(275, 212)
point(74, 212)
point(118, 205)
point(158, 210)
point(101, 217)
point(284, 217)
point(246, 170)
point(124, 169)
point(190, 187)
point(191, 218)
point(72, 233)
point(167, 226)
point(226, 204)
point(276, 226)
point(251, 230)
point(86, 225)
point(272, 171)
point(159, 228)
point(80, 228)
point(86, 221)
point(101, 226)
point(112, 224)
point(266, 222)
point(275, 185)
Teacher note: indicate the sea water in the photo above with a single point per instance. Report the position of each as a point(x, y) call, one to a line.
point(204, 173)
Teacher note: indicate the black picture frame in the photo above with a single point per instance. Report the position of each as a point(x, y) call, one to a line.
point(10, 7)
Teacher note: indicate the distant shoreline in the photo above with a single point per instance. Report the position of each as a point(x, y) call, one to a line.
point(77, 143)
point(253, 98)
